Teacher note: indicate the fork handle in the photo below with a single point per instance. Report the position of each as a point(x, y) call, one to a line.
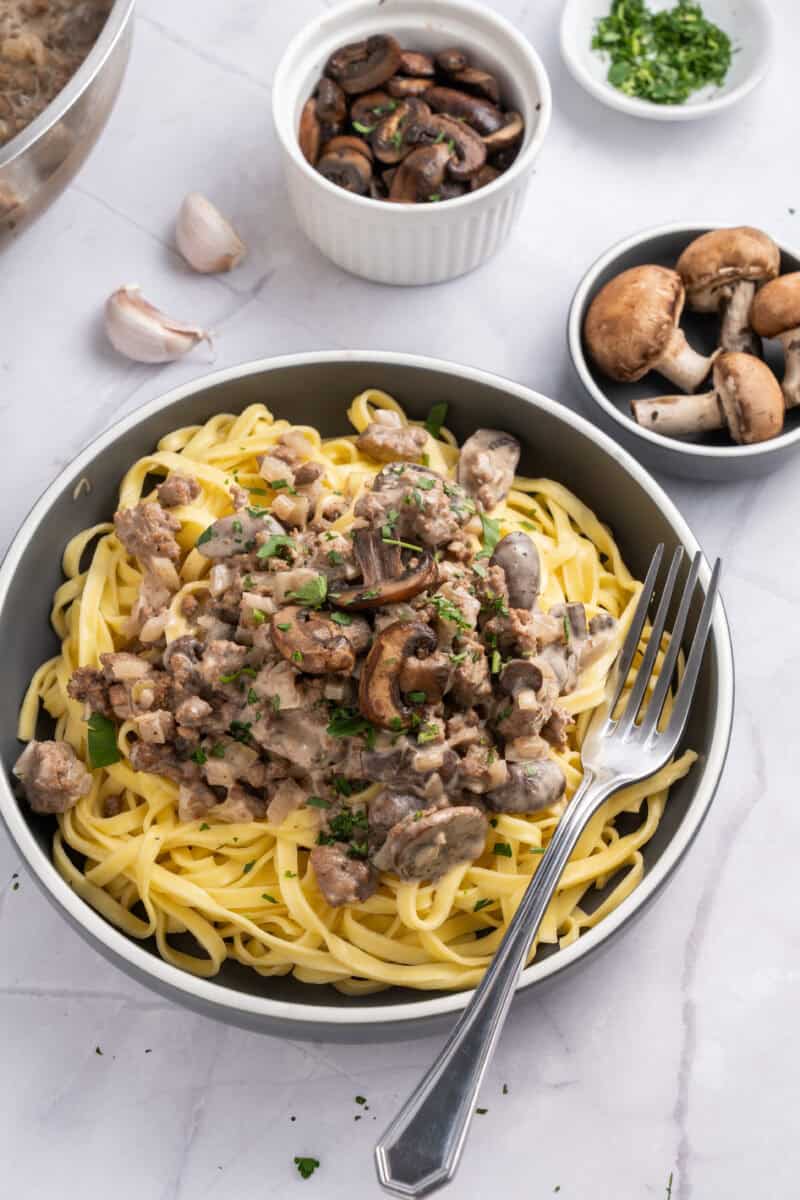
point(421, 1148)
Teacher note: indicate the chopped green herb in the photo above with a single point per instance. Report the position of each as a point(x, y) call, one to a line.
point(257, 491)
point(259, 616)
point(425, 459)
point(502, 849)
point(361, 1099)
point(496, 662)
point(290, 874)
point(342, 618)
point(429, 732)
point(274, 544)
point(284, 625)
point(275, 701)
point(406, 545)
point(417, 697)
point(204, 827)
point(342, 786)
point(247, 582)
point(345, 722)
point(217, 751)
point(479, 904)
point(199, 756)
point(458, 658)
point(306, 1166)
point(448, 611)
point(527, 525)
point(435, 419)
point(335, 558)
point(236, 526)
point(481, 1111)
point(505, 712)
point(247, 868)
point(313, 593)
point(662, 56)
point(317, 802)
point(270, 899)
point(278, 485)
point(479, 569)
point(205, 536)
point(240, 730)
point(370, 594)
point(396, 724)
point(388, 106)
point(297, 656)
point(505, 1089)
point(252, 697)
point(491, 536)
point(257, 512)
point(364, 128)
point(397, 139)
point(493, 822)
point(425, 483)
point(358, 850)
point(102, 741)
point(536, 849)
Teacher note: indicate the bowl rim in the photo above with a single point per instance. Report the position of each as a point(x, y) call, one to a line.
point(227, 1003)
point(287, 135)
point(114, 28)
point(636, 107)
point(575, 344)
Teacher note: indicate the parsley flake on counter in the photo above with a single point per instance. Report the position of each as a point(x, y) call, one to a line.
point(428, 733)
point(505, 1089)
point(361, 1099)
point(662, 56)
point(436, 418)
point(102, 741)
point(481, 1111)
point(306, 1166)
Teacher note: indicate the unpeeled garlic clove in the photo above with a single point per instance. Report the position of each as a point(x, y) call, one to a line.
point(144, 333)
point(207, 241)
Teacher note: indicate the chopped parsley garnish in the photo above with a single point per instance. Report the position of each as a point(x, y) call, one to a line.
point(502, 849)
point(496, 662)
point(240, 730)
point(335, 558)
point(306, 1166)
point(204, 827)
point(479, 569)
point(290, 874)
point(345, 722)
point(429, 732)
point(275, 701)
point(317, 802)
point(397, 139)
point(387, 541)
point(252, 697)
point(417, 697)
point(662, 56)
point(425, 483)
point(236, 526)
point(259, 616)
point(342, 786)
point(257, 512)
point(448, 611)
point(358, 850)
point(435, 419)
point(297, 656)
point(491, 536)
point(278, 485)
point(458, 658)
point(479, 904)
point(284, 625)
point(218, 751)
point(342, 618)
point(247, 868)
point(205, 536)
point(357, 125)
point(312, 594)
point(536, 849)
point(370, 594)
point(434, 197)
point(102, 741)
point(506, 712)
point(274, 544)
point(266, 896)
point(199, 756)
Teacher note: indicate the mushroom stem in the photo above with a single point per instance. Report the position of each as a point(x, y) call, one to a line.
point(675, 416)
point(735, 331)
point(682, 365)
point(791, 376)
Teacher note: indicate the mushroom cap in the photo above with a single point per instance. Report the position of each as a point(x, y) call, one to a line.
point(468, 153)
point(331, 101)
point(430, 845)
point(312, 641)
point(751, 397)
point(309, 133)
point(420, 174)
point(414, 62)
point(362, 66)
point(726, 256)
point(530, 787)
point(452, 60)
point(517, 554)
point(776, 308)
point(631, 320)
point(508, 135)
point(481, 114)
point(401, 86)
point(379, 696)
point(481, 81)
point(347, 168)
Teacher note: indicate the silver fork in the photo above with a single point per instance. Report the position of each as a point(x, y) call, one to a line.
point(421, 1148)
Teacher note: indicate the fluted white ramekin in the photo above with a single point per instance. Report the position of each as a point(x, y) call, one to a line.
point(411, 243)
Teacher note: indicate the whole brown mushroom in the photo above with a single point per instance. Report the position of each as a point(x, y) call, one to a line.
point(776, 314)
point(746, 397)
point(631, 328)
point(721, 271)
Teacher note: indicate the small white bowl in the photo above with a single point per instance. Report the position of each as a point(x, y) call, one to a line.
point(748, 23)
point(411, 243)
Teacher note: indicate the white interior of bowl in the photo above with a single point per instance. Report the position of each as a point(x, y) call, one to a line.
point(229, 1003)
point(589, 377)
point(426, 25)
point(748, 23)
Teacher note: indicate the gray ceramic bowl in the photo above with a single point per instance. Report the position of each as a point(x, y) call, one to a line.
point(37, 164)
point(709, 456)
point(317, 388)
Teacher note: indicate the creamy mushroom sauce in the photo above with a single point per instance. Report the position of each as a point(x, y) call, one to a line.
point(42, 44)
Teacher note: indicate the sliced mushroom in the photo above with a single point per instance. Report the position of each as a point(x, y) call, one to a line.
point(486, 466)
point(340, 878)
point(420, 175)
point(348, 169)
point(309, 135)
point(530, 787)
point(401, 86)
point(379, 696)
point(370, 108)
point(746, 396)
point(468, 153)
point(450, 189)
point(776, 314)
point(508, 135)
point(362, 66)
point(485, 176)
point(481, 81)
point(387, 809)
point(452, 60)
point(632, 328)
point(346, 141)
point(412, 62)
point(481, 114)
point(331, 103)
point(721, 271)
point(312, 642)
point(389, 140)
point(520, 675)
point(236, 534)
point(430, 845)
point(428, 677)
point(386, 579)
point(516, 553)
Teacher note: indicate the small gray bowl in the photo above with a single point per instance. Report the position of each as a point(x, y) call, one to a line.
point(711, 456)
point(317, 389)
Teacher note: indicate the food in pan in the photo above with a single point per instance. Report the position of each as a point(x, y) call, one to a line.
point(406, 126)
point(42, 44)
point(319, 703)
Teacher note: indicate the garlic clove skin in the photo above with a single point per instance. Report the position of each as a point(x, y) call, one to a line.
point(207, 241)
point(142, 332)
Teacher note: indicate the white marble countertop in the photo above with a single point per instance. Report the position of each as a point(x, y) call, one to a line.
point(676, 1052)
